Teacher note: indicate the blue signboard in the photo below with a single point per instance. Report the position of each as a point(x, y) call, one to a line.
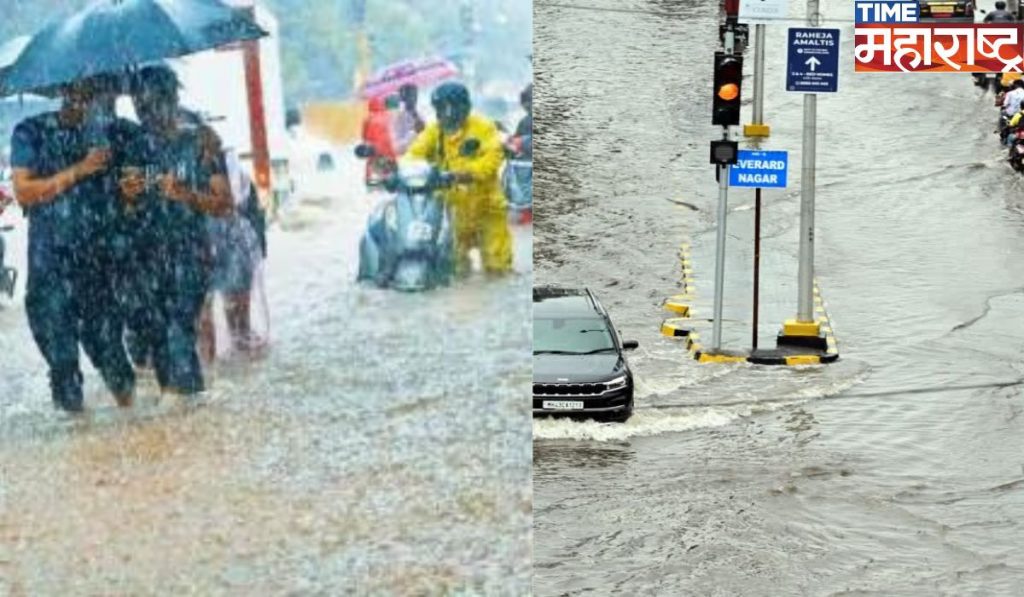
point(763, 169)
point(813, 65)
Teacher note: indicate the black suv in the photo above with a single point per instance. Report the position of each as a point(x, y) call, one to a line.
point(578, 366)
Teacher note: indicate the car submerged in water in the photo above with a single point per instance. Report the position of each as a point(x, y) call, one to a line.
point(947, 10)
point(579, 369)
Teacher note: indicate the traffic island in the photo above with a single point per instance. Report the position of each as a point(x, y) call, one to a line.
point(681, 304)
point(805, 342)
point(799, 343)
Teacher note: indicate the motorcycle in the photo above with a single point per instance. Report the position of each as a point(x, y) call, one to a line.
point(408, 243)
point(8, 275)
point(1003, 129)
point(1016, 157)
point(517, 179)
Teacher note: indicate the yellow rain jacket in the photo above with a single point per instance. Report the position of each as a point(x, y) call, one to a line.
point(479, 208)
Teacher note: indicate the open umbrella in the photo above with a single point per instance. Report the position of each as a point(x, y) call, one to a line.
point(10, 51)
point(110, 35)
point(416, 72)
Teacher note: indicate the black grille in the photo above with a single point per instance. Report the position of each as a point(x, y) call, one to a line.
point(567, 389)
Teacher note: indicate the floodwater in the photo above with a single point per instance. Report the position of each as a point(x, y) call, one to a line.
point(897, 470)
point(381, 447)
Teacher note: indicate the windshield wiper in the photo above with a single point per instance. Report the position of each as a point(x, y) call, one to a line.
point(595, 351)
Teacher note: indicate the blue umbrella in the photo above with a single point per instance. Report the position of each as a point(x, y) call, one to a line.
point(111, 35)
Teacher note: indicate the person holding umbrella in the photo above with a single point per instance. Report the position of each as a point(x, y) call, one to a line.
point(408, 122)
point(60, 172)
point(186, 190)
point(61, 182)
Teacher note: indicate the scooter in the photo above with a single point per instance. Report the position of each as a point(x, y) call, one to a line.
point(8, 275)
point(1016, 157)
point(1003, 129)
point(408, 244)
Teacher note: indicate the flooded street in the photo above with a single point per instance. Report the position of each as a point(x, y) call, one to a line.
point(899, 470)
point(381, 447)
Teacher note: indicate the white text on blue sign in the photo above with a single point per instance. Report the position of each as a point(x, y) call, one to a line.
point(892, 11)
point(759, 169)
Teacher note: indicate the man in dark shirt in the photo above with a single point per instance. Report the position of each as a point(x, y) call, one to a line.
point(60, 170)
point(172, 247)
point(1000, 14)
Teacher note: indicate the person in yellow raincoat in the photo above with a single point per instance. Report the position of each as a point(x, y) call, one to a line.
point(469, 147)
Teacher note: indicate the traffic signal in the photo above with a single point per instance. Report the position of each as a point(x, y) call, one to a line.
point(728, 80)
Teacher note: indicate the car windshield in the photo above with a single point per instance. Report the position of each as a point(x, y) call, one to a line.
point(571, 336)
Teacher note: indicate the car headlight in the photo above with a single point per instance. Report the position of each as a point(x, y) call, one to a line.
point(617, 383)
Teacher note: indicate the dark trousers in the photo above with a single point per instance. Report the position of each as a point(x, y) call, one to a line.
point(72, 300)
point(164, 294)
point(175, 354)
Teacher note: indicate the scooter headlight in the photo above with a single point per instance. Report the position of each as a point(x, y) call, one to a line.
point(415, 173)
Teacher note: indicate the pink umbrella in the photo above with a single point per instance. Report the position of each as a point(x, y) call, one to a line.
point(415, 72)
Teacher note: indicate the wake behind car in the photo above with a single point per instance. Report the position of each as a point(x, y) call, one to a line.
point(579, 369)
point(947, 10)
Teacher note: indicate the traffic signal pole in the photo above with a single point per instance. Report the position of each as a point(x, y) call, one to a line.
point(723, 213)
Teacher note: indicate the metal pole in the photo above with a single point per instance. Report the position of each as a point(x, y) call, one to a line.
point(257, 113)
point(723, 212)
point(806, 270)
point(469, 26)
point(758, 74)
point(805, 311)
point(757, 259)
point(759, 33)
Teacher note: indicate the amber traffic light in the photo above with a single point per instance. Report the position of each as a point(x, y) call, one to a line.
point(728, 82)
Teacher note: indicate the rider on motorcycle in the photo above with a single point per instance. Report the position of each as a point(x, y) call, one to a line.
point(1014, 123)
point(468, 146)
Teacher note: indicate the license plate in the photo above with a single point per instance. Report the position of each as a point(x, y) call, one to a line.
point(562, 405)
point(420, 232)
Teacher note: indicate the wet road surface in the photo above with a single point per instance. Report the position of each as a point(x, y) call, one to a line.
point(896, 471)
point(381, 447)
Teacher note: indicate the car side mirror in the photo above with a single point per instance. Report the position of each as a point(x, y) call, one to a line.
point(365, 151)
point(630, 345)
point(469, 147)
